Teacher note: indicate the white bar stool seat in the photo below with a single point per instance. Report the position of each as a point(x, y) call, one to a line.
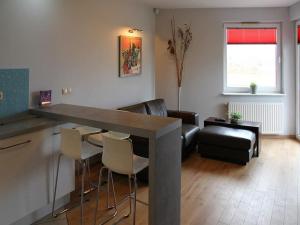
point(85, 130)
point(97, 139)
point(117, 135)
point(89, 151)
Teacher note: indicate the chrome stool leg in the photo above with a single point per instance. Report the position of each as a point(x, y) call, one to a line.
point(130, 193)
point(91, 188)
point(55, 191)
point(108, 190)
point(130, 197)
point(55, 187)
point(89, 172)
point(114, 192)
point(83, 164)
point(109, 180)
point(97, 195)
point(134, 199)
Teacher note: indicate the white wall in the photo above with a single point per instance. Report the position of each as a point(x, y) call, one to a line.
point(294, 11)
point(203, 74)
point(74, 43)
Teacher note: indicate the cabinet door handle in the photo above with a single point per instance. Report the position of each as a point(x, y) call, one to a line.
point(15, 145)
point(56, 133)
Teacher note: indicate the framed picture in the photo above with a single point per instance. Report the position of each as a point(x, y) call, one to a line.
point(130, 56)
point(45, 98)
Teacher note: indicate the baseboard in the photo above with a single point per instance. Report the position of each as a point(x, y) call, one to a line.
point(273, 136)
point(41, 213)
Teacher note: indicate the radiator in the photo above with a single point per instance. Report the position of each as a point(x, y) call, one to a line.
point(269, 114)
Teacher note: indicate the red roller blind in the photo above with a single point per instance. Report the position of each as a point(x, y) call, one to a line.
point(298, 36)
point(251, 36)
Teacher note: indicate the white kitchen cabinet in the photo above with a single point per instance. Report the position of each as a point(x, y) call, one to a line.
point(27, 173)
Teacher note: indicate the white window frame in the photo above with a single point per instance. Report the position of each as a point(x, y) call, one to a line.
point(278, 88)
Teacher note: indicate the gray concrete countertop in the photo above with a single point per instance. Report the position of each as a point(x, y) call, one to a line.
point(23, 124)
point(115, 120)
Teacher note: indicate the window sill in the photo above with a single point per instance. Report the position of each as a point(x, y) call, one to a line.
point(249, 94)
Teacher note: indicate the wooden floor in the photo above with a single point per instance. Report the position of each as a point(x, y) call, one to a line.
point(266, 191)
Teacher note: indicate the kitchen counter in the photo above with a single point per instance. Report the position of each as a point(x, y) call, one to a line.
point(116, 120)
point(29, 147)
point(23, 124)
point(164, 134)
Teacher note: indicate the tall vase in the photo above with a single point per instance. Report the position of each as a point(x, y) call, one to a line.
point(179, 98)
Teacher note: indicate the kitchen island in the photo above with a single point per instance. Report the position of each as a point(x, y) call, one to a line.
point(29, 146)
point(164, 134)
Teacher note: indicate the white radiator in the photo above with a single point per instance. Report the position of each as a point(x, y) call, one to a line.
point(269, 114)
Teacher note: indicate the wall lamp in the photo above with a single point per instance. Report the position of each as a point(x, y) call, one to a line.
point(132, 30)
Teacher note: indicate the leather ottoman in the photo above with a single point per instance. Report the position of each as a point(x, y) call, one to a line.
point(234, 145)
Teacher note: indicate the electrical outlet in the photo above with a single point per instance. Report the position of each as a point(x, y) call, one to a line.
point(1, 96)
point(64, 91)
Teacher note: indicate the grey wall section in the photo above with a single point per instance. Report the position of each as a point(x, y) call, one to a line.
point(74, 43)
point(203, 73)
point(295, 11)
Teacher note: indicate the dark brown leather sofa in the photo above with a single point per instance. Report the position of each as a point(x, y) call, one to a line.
point(157, 107)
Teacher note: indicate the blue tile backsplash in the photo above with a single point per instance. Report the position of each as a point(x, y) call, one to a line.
point(14, 83)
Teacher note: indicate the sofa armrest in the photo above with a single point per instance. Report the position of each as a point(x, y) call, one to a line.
point(187, 117)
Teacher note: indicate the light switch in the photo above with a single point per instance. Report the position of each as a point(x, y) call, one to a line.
point(1, 95)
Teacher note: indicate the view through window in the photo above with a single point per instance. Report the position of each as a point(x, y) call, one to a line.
point(252, 55)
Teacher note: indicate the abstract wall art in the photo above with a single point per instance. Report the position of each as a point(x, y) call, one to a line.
point(130, 56)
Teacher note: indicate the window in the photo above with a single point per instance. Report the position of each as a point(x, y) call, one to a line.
point(252, 54)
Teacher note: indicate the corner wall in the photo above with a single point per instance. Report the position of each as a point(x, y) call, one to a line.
point(74, 44)
point(294, 11)
point(203, 74)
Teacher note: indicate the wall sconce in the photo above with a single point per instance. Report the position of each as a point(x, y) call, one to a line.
point(132, 30)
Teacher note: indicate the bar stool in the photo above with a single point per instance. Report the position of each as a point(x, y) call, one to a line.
point(85, 131)
point(73, 147)
point(97, 140)
point(118, 157)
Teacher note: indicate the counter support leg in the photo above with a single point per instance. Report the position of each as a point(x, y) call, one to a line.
point(165, 179)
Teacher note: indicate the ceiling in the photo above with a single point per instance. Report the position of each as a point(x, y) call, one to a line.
point(217, 3)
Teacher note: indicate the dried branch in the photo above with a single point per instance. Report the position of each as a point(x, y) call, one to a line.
point(184, 38)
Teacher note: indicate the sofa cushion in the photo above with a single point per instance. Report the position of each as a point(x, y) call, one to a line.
point(138, 108)
point(189, 132)
point(187, 117)
point(156, 107)
point(227, 137)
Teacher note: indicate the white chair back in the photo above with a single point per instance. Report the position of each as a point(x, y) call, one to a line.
point(71, 143)
point(117, 154)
